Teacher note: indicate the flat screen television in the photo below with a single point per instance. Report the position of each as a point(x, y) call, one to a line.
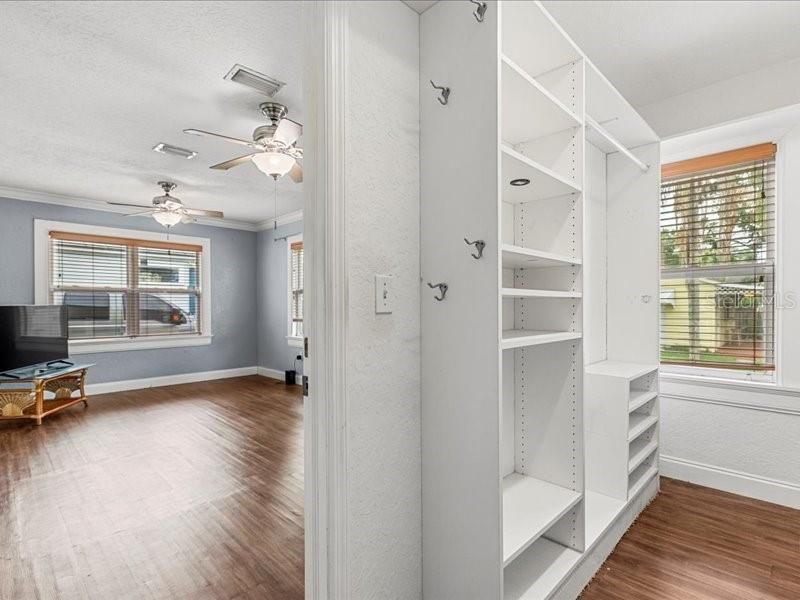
point(32, 335)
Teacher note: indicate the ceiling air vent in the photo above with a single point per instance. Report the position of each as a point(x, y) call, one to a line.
point(175, 150)
point(254, 80)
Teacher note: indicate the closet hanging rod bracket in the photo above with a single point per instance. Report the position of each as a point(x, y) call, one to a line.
point(444, 93)
point(443, 287)
point(479, 11)
point(479, 246)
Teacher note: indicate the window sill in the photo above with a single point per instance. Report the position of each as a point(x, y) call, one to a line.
point(718, 376)
point(125, 344)
point(294, 342)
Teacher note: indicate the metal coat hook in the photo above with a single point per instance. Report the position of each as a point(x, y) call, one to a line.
point(480, 11)
point(479, 246)
point(442, 290)
point(444, 91)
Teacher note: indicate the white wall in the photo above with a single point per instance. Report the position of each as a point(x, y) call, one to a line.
point(745, 437)
point(766, 89)
point(383, 351)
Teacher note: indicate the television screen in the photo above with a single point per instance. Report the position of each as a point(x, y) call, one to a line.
point(30, 335)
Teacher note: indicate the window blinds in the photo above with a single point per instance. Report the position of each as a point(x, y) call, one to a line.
point(717, 260)
point(100, 278)
point(296, 308)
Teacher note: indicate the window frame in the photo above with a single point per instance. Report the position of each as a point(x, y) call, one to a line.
point(42, 229)
point(769, 377)
point(293, 340)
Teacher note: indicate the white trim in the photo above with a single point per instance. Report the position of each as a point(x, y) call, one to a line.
point(275, 374)
point(150, 382)
point(294, 341)
point(13, 193)
point(41, 233)
point(292, 217)
point(730, 384)
point(710, 373)
point(325, 287)
point(735, 482)
point(78, 347)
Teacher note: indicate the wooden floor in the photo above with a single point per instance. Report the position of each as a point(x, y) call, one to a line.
point(695, 543)
point(192, 491)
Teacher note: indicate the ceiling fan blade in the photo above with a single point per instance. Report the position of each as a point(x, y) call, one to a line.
point(141, 213)
point(188, 219)
point(217, 214)
point(227, 138)
point(127, 204)
point(287, 132)
point(296, 172)
point(224, 166)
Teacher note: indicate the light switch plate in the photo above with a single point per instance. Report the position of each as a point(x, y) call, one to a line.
point(383, 294)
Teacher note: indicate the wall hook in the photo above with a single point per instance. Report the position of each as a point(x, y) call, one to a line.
point(479, 246)
point(442, 290)
point(480, 11)
point(445, 93)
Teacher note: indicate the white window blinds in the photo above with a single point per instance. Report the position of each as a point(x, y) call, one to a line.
point(717, 260)
point(121, 287)
point(296, 297)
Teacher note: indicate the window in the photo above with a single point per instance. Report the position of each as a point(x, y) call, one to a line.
point(295, 287)
point(717, 260)
point(123, 292)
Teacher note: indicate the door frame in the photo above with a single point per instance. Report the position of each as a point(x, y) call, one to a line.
point(325, 288)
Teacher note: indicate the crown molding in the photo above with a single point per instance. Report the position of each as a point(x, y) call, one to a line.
point(13, 193)
point(292, 217)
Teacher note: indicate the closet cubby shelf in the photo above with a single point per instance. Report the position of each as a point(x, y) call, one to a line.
point(530, 111)
point(520, 338)
point(639, 399)
point(597, 135)
point(544, 182)
point(639, 423)
point(517, 257)
point(616, 368)
point(530, 507)
point(639, 478)
point(520, 293)
point(641, 454)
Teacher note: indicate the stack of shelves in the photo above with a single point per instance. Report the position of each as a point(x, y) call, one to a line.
point(621, 426)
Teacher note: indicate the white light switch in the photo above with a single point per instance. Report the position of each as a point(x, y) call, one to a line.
point(383, 294)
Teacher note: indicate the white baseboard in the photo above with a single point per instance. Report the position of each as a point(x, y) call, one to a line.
point(149, 382)
point(275, 374)
point(735, 482)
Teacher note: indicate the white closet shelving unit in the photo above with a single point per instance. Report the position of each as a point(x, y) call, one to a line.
point(508, 506)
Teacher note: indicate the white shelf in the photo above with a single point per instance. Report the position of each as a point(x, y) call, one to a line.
point(517, 257)
point(639, 479)
point(520, 293)
point(530, 507)
point(519, 338)
point(640, 454)
point(545, 564)
point(597, 135)
point(545, 183)
point(529, 110)
point(639, 423)
point(639, 399)
point(626, 370)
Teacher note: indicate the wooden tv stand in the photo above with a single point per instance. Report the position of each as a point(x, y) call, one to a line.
point(39, 391)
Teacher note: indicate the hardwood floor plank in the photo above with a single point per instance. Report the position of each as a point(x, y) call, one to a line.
point(192, 491)
point(695, 543)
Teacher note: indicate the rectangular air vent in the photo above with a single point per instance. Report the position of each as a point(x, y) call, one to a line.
point(254, 80)
point(168, 149)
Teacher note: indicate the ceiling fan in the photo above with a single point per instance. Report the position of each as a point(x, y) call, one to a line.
point(169, 210)
point(274, 144)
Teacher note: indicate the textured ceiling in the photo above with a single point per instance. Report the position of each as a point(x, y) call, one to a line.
point(658, 49)
point(90, 87)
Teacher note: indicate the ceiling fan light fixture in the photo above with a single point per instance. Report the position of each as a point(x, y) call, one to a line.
point(167, 218)
point(274, 164)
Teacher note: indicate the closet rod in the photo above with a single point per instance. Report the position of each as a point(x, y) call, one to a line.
point(613, 141)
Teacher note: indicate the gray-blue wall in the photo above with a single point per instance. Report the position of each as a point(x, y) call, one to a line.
point(234, 313)
point(273, 300)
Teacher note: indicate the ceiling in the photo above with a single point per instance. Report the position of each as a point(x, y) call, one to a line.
point(658, 49)
point(90, 87)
